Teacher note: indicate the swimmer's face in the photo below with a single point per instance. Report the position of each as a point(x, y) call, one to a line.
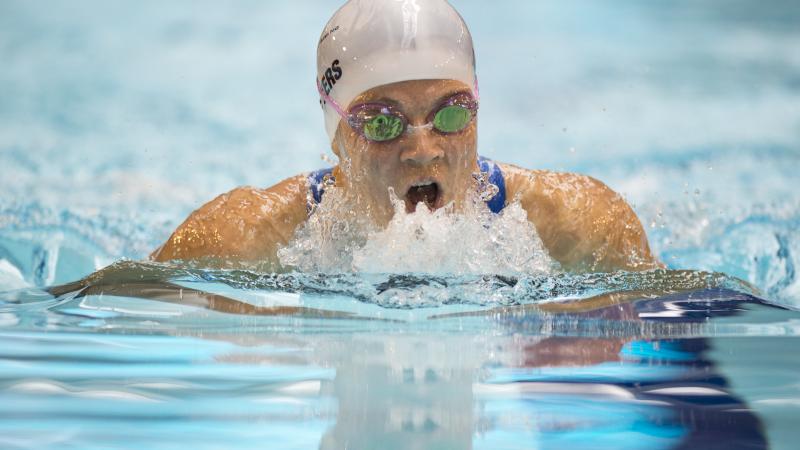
point(422, 165)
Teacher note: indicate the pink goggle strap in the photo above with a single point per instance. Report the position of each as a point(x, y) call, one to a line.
point(327, 99)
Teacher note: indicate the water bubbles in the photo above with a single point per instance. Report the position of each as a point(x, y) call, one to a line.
point(326, 241)
point(486, 189)
point(480, 177)
point(472, 241)
point(488, 192)
point(311, 203)
point(434, 243)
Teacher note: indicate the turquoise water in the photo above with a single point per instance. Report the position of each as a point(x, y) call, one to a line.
point(117, 119)
point(151, 356)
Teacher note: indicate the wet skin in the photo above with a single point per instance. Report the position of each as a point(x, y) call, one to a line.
point(416, 157)
point(584, 225)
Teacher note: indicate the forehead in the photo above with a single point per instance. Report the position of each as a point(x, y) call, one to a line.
point(414, 94)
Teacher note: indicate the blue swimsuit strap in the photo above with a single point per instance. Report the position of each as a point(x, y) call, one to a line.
point(316, 183)
point(498, 202)
point(495, 204)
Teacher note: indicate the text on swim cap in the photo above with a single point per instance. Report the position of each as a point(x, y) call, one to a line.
point(331, 75)
point(328, 33)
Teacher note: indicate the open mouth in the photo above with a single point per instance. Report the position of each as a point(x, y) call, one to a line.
point(427, 193)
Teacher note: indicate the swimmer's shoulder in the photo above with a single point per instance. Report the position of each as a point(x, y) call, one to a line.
point(245, 224)
point(554, 201)
point(550, 188)
point(584, 223)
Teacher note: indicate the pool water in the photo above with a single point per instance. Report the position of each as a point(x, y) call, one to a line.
point(151, 356)
point(117, 119)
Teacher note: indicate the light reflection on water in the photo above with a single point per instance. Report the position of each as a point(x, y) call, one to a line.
point(315, 370)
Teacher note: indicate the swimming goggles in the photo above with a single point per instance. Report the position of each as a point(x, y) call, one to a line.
point(379, 122)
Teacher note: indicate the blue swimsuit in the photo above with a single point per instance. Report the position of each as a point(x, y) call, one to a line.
point(495, 177)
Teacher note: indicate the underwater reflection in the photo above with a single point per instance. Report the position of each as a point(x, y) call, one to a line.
point(421, 392)
point(409, 392)
point(619, 370)
point(507, 389)
point(432, 391)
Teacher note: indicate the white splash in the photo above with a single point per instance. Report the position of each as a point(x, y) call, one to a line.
point(474, 241)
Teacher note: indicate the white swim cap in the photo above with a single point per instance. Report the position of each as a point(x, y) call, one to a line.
point(369, 43)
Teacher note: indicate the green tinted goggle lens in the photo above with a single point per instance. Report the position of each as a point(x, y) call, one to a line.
point(384, 127)
point(452, 118)
point(387, 126)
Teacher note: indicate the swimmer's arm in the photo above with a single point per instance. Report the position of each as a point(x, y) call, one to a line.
point(245, 225)
point(582, 222)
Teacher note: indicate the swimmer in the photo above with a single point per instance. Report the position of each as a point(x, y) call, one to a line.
point(399, 92)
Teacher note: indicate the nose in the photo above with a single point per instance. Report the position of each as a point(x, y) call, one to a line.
point(421, 147)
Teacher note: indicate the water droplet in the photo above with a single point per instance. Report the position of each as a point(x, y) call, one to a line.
point(479, 177)
point(489, 191)
point(327, 159)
